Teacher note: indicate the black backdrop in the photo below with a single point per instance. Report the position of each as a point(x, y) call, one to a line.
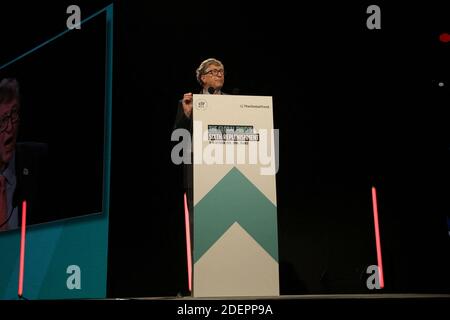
point(354, 107)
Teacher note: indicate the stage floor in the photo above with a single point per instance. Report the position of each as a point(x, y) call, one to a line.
point(386, 296)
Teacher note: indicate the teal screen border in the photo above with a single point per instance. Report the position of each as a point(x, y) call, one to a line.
point(52, 249)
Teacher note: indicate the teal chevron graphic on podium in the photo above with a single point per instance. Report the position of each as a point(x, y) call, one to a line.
point(235, 199)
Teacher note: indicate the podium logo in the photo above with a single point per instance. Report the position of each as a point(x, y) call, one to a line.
point(201, 104)
point(228, 144)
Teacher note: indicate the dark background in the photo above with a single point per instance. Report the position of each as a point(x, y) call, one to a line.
point(356, 108)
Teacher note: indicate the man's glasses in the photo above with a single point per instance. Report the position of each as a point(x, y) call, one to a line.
point(13, 116)
point(216, 72)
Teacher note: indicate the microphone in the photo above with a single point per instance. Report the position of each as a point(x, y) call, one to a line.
point(211, 90)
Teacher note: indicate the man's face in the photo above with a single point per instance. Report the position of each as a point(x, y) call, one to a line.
point(213, 77)
point(9, 122)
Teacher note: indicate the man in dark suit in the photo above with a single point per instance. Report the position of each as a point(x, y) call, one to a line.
point(22, 165)
point(211, 76)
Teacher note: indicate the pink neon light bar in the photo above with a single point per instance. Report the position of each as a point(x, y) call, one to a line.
point(188, 242)
point(22, 247)
point(377, 236)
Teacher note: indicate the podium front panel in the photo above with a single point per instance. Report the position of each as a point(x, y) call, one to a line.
point(235, 249)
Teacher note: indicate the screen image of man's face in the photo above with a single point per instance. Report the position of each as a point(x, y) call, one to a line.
point(9, 116)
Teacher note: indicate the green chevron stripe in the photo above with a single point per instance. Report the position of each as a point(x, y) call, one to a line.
point(235, 199)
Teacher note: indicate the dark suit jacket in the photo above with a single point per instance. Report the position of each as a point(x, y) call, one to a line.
point(31, 175)
point(183, 122)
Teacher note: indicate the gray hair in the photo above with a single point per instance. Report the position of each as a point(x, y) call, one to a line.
point(205, 65)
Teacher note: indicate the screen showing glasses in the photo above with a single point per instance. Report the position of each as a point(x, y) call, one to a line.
point(52, 107)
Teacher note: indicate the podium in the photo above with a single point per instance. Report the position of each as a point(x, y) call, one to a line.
point(235, 250)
